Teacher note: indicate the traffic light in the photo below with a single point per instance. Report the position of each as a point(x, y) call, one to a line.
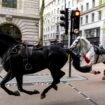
point(75, 18)
point(64, 19)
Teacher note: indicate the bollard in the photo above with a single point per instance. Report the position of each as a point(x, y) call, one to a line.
point(103, 78)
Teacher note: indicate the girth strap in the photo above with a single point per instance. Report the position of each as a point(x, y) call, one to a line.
point(26, 53)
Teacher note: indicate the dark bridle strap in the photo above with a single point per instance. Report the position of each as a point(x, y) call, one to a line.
point(11, 51)
point(96, 54)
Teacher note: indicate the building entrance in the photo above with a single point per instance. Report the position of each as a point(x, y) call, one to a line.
point(11, 30)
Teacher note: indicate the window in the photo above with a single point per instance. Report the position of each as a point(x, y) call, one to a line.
point(81, 20)
point(100, 2)
point(9, 3)
point(86, 18)
point(58, 1)
point(87, 6)
point(95, 32)
point(58, 10)
point(93, 3)
point(99, 15)
point(92, 17)
point(81, 8)
point(69, 5)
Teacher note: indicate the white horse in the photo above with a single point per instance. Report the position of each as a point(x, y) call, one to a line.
point(90, 53)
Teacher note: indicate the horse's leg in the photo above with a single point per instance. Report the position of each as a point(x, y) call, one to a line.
point(56, 79)
point(7, 78)
point(19, 79)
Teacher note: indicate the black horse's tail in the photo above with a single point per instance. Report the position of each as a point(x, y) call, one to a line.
point(76, 62)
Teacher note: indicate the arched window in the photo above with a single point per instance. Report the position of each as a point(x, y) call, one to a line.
point(9, 3)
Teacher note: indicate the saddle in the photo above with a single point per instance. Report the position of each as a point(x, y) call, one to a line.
point(99, 50)
point(26, 51)
point(23, 50)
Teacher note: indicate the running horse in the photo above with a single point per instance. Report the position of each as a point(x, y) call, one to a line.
point(91, 53)
point(19, 59)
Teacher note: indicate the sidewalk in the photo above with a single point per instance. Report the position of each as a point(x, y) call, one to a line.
point(90, 90)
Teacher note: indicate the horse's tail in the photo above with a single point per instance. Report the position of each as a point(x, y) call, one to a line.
point(76, 62)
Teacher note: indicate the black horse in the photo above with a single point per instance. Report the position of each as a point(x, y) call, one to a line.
point(19, 59)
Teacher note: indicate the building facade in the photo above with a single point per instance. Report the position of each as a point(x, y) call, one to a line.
point(20, 18)
point(92, 20)
point(52, 29)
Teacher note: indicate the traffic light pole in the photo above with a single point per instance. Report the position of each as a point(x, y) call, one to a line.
point(70, 56)
point(71, 34)
point(65, 4)
point(74, 29)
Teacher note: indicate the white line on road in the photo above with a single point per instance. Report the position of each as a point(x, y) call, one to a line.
point(84, 95)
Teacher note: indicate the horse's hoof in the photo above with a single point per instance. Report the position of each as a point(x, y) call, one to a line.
point(95, 72)
point(103, 78)
point(16, 93)
point(36, 92)
point(43, 96)
point(55, 87)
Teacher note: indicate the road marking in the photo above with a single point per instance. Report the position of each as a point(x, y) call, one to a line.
point(83, 94)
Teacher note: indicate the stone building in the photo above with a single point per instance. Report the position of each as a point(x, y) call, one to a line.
point(20, 18)
point(92, 20)
point(52, 29)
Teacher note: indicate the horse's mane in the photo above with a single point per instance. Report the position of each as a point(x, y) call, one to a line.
point(7, 38)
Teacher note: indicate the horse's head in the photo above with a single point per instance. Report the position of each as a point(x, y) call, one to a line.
point(85, 48)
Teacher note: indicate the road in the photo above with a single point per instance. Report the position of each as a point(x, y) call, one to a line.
point(80, 89)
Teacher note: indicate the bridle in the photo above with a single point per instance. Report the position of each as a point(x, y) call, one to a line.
point(85, 50)
point(92, 55)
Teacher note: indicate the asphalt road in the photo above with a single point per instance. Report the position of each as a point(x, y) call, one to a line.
point(80, 89)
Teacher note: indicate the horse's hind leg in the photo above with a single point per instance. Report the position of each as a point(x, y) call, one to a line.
point(56, 79)
point(7, 78)
point(19, 79)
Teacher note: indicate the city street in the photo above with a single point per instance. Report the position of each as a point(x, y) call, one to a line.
point(30, 31)
point(80, 89)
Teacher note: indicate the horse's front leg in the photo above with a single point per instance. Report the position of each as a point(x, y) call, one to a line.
point(56, 79)
point(53, 85)
point(7, 78)
point(19, 79)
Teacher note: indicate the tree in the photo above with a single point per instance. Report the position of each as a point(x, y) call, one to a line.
point(41, 23)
